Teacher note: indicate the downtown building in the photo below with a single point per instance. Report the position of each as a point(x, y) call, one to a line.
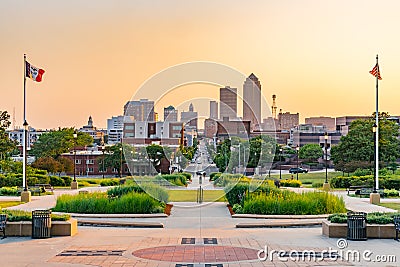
point(252, 101)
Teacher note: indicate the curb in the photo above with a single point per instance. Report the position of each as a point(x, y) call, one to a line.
point(83, 215)
point(278, 224)
point(121, 224)
point(294, 217)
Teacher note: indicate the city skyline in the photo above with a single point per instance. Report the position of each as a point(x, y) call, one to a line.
point(315, 56)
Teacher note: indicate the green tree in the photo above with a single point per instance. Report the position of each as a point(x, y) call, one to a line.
point(116, 154)
point(310, 152)
point(49, 164)
point(7, 146)
point(54, 143)
point(358, 144)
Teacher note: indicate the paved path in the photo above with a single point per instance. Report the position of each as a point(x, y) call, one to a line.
point(110, 246)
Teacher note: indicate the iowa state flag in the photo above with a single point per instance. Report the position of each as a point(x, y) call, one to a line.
point(33, 72)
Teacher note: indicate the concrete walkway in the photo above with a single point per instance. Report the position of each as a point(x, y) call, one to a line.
point(111, 246)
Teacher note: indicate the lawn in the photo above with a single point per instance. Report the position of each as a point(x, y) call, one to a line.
point(395, 206)
point(191, 195)
point(6, 204)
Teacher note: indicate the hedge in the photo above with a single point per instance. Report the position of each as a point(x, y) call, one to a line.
point(368, 180)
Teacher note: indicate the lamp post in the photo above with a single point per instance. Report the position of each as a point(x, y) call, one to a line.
point(326, 184)
point(375, 197)
point(25, 194)
point(297, 159)
point(102, 150)
point(280, 163)
point(120, 162)
point(74, 183)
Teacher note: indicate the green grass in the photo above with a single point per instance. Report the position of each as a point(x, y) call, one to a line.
point(395, 206)
point(191, 195)
point(6, 204)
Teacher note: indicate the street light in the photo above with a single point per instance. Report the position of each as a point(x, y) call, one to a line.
point(75, 137)
point(102, 150)
point(326, 157)
point(280, 163)
point(120, 162)
point(297, 156)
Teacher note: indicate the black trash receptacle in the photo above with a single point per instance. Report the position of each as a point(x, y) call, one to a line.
point(357, 226)
point(41, 223)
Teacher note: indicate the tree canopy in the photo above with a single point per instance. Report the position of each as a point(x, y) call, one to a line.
point(54, 143)
point(310, 152)
point(358, 144)
point(6, 144)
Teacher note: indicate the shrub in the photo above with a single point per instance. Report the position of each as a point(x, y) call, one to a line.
point(9, 191)
point(290, 183)
point(287, 202)
point(21, 215)
point(214, 176)
point(362, 172)
point(109, 182)
point(368, 180)
point(153, 190)
point(237, 208)
point(176, 179)
point(187, 175)
point(235, 193)
point(67, 180)
point(390, 182)
point(100, 203)
point(317, 184)
point(56, 181)
point(372, 218)
point(391, 193)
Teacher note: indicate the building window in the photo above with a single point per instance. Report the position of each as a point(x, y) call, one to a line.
point(129, 135)
point(78, 161)
point(114, 170)
point(90, 161)
point(129, 127)
point(90, 169)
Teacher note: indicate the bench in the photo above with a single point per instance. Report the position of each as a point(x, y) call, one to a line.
point(396, 221)
point(3, 222)
point(45, 187)
point(363, 190)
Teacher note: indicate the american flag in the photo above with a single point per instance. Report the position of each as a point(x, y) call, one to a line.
point(375, 72)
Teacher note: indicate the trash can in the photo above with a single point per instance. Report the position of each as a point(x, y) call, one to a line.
point(357, 226)
point(41, 223)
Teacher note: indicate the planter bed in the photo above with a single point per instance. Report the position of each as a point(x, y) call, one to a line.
point(58, 228)
point(339, 230)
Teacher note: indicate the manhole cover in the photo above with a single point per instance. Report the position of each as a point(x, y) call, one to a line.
point(188, 241)
point(210, 241)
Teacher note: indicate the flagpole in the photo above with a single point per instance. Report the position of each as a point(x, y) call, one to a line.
point(24, 183)
point(377, 133)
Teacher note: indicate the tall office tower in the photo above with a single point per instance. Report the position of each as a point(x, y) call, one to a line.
point(228, 102)
point(189, 118)
point(142, 110)
point(214, 110)
point(170, 114)
point(252, 101)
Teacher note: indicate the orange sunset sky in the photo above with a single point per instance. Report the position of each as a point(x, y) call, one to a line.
point(314, 55)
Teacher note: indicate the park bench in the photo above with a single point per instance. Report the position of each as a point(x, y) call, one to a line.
point(363, 190)
point(45, 187)
point(3, 222)
point(396, 221)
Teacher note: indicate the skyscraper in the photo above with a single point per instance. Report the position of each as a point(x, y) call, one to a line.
point(228, 102)
point(252, 100)
point(142, 110)
point(189, 118)
point(170, 114)
point(214, 110)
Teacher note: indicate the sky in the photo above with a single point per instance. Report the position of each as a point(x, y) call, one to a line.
point(314, 55)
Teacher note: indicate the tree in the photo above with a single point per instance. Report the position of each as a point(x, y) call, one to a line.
point(358, 144)
point(116, 154)
point(49, 164)
point(7, 146)
point(310, 152)
point(54, 143)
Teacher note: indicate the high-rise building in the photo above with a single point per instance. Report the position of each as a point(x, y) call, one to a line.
point(252, 101)
point(189, 118)
point(228, 103)
point(170, 114)
point(214, 110)
point(142, 110)
point(287, 121)
point(115, 127)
